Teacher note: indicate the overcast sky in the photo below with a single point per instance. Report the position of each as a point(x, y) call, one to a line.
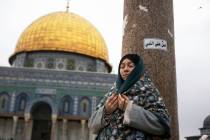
point(192, 44)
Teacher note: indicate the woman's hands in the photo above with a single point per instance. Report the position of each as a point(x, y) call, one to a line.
point(116, 101)
point(122, 101)
point(111, 103)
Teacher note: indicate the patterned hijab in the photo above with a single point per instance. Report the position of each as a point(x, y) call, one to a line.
point(138, 71)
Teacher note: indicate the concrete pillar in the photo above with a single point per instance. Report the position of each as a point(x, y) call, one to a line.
point(14, 127)
point(27, 127)
point(92, 136)
point(83, 136)
point(54, 128)
point(149, 31)
point(64, 129)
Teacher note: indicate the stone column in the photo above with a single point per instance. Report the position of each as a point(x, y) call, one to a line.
point(83, 136)
point(27, 127)
point(54, 128)
point(64, 129)
point(14, 127)
point(149, 31)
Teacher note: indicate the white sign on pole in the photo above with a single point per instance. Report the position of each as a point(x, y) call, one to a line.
point(155, 43)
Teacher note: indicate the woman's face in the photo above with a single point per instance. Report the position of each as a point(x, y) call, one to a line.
point(125, 68)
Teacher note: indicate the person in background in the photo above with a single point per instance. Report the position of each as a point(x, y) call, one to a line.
point(133, 108)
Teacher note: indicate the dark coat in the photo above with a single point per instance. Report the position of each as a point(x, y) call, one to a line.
point(145, 116)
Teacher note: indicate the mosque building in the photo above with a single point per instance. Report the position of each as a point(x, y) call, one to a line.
point(204, 132)
point(59, 72)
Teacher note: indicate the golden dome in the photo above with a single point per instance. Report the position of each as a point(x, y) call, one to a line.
point(63, 31)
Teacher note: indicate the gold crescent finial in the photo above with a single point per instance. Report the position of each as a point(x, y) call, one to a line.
point(67, 6)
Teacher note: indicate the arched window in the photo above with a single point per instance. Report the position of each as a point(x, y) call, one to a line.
point(81, 68)
point(4, 98)
point(29, 62)
point(22, 104)
point(91, 67)
point(3, 103)
point(84, 106)
point(51, 63)
point(66, 106)
point(21, 101)
point(70, 64)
